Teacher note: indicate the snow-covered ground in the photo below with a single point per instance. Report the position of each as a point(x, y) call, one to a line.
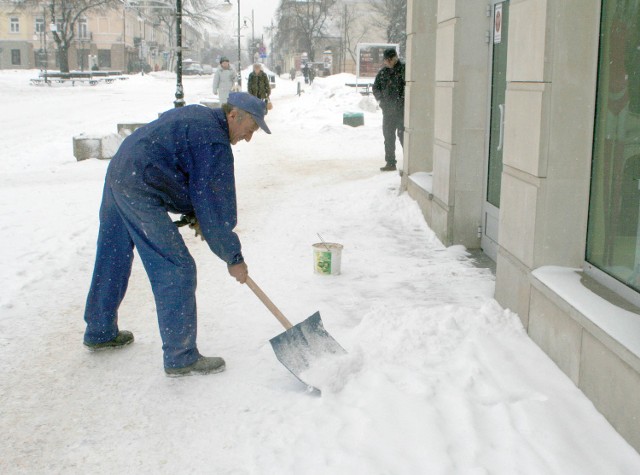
point(439, 379)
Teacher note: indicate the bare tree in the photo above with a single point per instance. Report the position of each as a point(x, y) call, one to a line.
point(392, 18)
point(352, 30)
point(302, 24)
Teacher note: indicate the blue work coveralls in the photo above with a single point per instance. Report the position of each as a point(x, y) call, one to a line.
point(180, 163)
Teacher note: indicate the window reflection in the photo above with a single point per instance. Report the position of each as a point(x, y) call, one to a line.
point(613, 243)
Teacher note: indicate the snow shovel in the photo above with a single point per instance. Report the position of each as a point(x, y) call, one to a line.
point(302, 345)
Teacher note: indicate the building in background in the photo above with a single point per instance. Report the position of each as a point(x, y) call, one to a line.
point(323, 34)
point(125, 38)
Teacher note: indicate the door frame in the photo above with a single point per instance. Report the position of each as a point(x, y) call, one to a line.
point(490, 213)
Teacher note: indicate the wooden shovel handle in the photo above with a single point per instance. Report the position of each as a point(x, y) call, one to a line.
point(268, 303)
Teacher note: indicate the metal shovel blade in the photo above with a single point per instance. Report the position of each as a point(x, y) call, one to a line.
point(301, 346)
point(304, 344)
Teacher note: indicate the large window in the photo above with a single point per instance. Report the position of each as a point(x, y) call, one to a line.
point(83, 32)
point(14, 25)
point(613, 242)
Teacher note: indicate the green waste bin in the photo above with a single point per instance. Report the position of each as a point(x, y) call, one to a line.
point(354, 119)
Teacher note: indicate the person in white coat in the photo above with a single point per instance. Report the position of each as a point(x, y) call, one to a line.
point(224, 80)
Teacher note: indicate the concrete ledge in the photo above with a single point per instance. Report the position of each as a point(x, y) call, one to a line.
point(612, 386)
point(603, 314)
point(127, 129)
point(211, 103)
point(423, 180)
point(513, 285)
point(102, 147)
point(85, 147)
point(593, 335)
point(95, 146)
point(419, 190)
point(559, 335)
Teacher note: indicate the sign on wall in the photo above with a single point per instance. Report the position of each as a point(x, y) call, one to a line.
point(497, 23)
point(369, 58)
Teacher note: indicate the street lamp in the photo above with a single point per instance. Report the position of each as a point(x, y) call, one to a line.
point(253, 36)
point(84, 37)
point(179, 102)
point(44, 58)
point(239, 50)
point(239, 67)
point(40, 32)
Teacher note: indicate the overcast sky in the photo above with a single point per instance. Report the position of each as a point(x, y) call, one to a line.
point(263, 11)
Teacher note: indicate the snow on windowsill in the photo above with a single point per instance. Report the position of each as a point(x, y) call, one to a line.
point(423, 180)
point(620, 324)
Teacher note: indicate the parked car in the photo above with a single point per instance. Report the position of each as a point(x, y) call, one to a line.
point(194, 69)
point(207, 69)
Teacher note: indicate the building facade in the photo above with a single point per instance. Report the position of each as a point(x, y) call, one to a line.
point(523, 139)
point(124, 38)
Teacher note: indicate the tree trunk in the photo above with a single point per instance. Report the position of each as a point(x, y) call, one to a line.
point(63, 55)
point(311, 50)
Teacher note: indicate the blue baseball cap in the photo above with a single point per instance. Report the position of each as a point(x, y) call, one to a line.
point(252, 105)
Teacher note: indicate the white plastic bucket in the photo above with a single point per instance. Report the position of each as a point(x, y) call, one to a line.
point(326, 258)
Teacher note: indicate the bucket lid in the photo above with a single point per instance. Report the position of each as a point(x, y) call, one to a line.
point(330, 245)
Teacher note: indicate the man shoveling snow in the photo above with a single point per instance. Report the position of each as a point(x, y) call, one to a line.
point(179, 163)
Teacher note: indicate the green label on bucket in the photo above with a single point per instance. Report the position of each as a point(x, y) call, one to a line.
point(323, 262)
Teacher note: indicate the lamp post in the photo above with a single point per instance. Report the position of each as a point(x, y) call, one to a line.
point(124, 37)
point(41, 32)
point(228, 2)
point(253, 36)
point(84, 37)
point(44, 36)
point(239, 66)
point(82, 54)
point(179, 102)
point(273, 60)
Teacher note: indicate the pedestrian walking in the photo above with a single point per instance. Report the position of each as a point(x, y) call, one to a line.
point(180, 163)
point(388, 89)
point(258, 84)
point(224, 79)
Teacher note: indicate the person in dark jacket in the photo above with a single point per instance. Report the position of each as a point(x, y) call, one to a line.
point(180, 163)
point(258, 83)
point(312, 74)
point(388, 89)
